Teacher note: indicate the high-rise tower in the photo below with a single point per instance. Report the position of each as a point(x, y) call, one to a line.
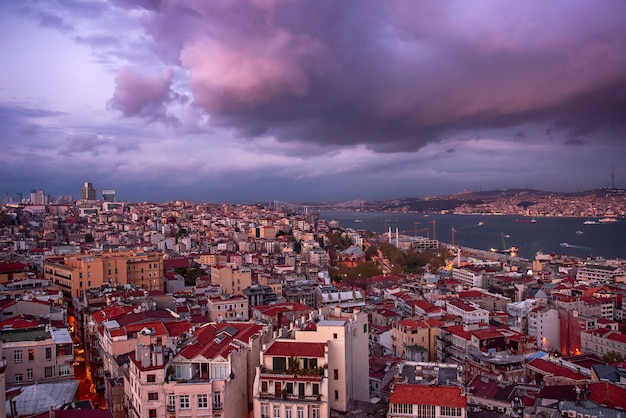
point(88, 192)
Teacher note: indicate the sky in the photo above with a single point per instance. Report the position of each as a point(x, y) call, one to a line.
point(310, 100)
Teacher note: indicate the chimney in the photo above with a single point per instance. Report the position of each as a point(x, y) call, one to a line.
point(158, 355)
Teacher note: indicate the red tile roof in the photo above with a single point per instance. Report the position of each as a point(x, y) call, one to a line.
point(427, 395)
point(12, 267)
point(553, 369)
point(293, 348)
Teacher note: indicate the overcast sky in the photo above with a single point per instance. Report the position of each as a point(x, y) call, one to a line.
point(296, 100)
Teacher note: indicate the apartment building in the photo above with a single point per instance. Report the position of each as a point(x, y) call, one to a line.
point(227, 308)
point(543, 325)
point(601, 341)
point(333, 345)
point(469, 312)
point(292, 380)
point(36, 353)
point(409, 400)
point(600, 273)
point(414, 339)
point(233, 279)
point(210, 376)
point(74, 274)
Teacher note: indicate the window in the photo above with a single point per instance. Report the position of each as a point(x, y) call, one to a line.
point(264, 386)
point(300, 412)
point(364, 328)
point(316, 388)
point(203, 401)
point(29, 374)
point(183, 402)
point(151, 378)
point(17, 356)
point(218, 370)
point(31, 354)
point(336, 374)
point(334, 336)
point(64, 369)
point(276, 411)
point(152, 413)
point(171, 402)
point(153, 396)
point(48, 353)
point(48, 371)
point(19, 377)
point(315, 412)
point(450, 411)
point(265, 411)
point(217, 400)
point(288, 412)
point(336, 395)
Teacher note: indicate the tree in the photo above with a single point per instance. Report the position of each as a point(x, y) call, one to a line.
point(613, 357)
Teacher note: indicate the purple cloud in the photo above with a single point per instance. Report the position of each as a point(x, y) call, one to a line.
point(143, 95)
point(395, 75)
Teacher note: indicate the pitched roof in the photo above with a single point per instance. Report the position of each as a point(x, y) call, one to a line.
point(427, 395)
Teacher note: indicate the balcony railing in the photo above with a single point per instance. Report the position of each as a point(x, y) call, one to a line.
point(290, 397)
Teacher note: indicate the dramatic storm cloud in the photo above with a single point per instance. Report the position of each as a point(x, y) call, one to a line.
point(261, 99)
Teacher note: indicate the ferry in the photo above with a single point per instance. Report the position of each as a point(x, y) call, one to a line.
point(589, 223)
point(481, 223)
point(605, 220)
point(565, 244)
point(358, 220)
point(511, 250)
point(579, 232)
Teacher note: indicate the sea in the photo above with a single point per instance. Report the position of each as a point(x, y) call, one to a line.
point(559, 235)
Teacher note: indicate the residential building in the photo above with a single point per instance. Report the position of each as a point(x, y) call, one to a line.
point(74, 274)
point(414, 339)
point(409, 400)
point(469, 312)
point(227, 308)
point(233, 279)
point(36, 353)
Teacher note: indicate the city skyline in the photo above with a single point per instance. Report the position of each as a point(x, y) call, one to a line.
point(302, 101)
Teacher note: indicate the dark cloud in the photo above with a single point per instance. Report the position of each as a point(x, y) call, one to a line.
point(396, 75)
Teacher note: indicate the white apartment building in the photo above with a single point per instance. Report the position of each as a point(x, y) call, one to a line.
point(543, 324)
point(471, 276)
point(598, 273)
point(334, 340)
point(601, 341)
point(469, 312)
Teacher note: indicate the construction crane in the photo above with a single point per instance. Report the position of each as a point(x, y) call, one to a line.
point(415, 227)
point(434, 222)
point(453, 231)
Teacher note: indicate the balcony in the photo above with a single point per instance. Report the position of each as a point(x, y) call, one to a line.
point(290, 397)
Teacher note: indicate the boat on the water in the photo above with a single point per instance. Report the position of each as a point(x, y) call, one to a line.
point(511, 250)
point(565, 244)
point(589, 223)
point(579, 232)
point(358, 220)
point(606, 220)
point(526, 220)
